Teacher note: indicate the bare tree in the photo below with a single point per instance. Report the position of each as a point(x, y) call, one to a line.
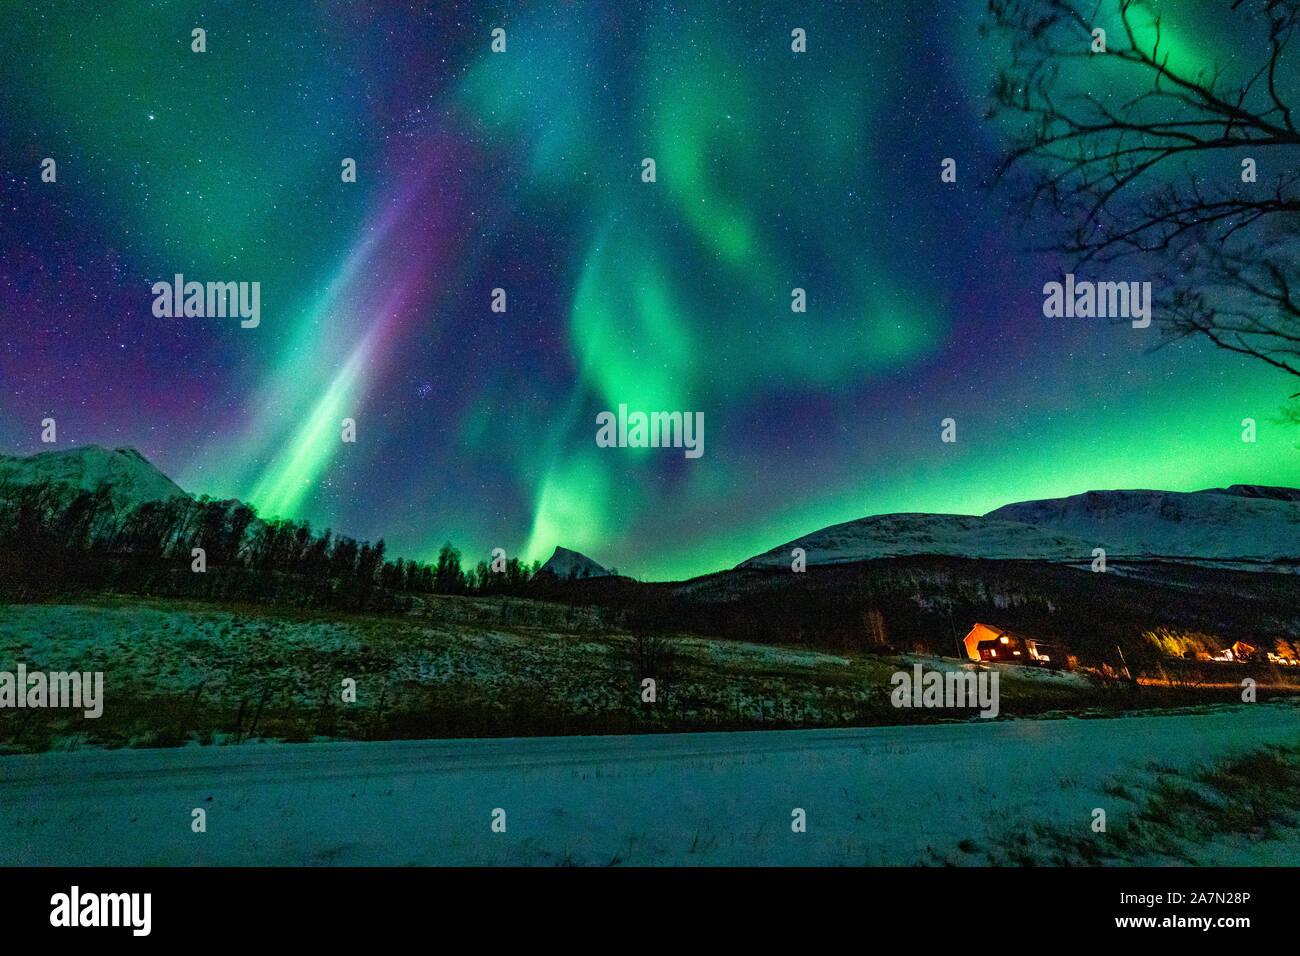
point(1141, 151)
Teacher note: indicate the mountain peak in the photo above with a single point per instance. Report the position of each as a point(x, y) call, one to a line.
point(566, 564)
point(1258, 491)
point(130, 477)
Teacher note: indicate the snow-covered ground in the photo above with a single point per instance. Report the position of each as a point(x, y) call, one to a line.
point(960, 793)
point(175, 671)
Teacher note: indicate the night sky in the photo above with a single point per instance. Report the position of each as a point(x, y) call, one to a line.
point(522, 170)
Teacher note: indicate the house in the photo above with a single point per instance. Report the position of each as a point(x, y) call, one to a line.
point(988, 643)
point(1241, 651)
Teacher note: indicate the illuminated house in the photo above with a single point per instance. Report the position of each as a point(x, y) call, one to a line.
point(1241, 651)
point(986, 643)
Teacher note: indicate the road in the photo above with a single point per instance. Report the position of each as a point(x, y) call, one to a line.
point(881, 795)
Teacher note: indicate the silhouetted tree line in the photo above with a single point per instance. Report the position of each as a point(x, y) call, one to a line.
point(53, 541)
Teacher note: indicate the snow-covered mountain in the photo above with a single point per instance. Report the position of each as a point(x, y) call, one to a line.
point(566, 564)
point(899, 535)
point(1243, 525)
point(130, 478)
point(1244, 522)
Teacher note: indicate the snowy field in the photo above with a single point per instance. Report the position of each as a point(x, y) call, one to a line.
point(973, 793)
point(176, 672)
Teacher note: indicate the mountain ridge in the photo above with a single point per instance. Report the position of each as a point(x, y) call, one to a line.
point(130, 477)
point(1245, 524)
point(1248, 524)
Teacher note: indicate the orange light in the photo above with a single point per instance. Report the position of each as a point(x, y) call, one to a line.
point(1005, 641)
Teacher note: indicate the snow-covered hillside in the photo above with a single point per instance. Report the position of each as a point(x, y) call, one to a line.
point(1245, 522)
point(131, 479)
point(887, 536)
point(1241, 525)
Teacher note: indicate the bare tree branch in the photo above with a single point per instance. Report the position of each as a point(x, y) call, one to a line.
point(1143, 176)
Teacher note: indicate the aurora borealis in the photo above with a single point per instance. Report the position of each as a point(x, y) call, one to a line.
point(521, 170)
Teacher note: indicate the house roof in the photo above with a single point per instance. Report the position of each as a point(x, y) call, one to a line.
point(980, 633)
point(990, 632)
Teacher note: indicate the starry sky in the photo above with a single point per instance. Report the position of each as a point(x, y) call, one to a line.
point(521, 170)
